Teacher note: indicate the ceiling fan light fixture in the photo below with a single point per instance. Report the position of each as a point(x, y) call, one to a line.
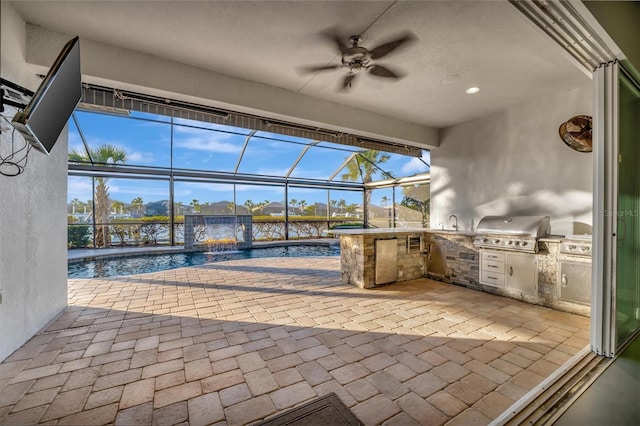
point(358, 59)
point(472, 90)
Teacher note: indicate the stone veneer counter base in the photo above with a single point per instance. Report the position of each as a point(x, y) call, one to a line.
point(358, 254)
point(448, 256)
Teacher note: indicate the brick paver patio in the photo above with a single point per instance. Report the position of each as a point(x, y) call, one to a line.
point(236, 342)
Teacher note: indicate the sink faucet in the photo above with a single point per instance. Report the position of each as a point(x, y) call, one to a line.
point(455, 225)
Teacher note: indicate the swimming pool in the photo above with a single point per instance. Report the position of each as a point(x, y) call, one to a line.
point(162, 262)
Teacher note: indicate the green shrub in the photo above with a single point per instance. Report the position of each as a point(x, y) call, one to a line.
point(78, 236)
point(292, 218)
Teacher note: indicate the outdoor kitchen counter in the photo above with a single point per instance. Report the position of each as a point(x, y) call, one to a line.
point(409, 249)
point(358, 255)
point(449, 256)
point(399, 231)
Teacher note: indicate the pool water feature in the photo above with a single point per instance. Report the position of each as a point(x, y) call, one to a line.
point(221, 247)
point(161, 262)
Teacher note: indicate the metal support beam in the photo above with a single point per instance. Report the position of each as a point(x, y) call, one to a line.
point(295, 163)
point(244, 148)
point(286, 212)
point(342, 166)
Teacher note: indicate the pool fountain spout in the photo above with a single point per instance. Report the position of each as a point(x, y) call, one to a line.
point(221, 246)
point(219, 232)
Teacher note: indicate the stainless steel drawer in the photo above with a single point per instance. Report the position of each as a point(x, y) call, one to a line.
point(492, 255)
point(493, 266)
point(492, 278)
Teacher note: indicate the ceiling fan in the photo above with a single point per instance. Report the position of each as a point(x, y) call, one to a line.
point(576, 133)
point(356, 58)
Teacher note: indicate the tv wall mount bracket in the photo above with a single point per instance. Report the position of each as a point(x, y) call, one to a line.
point(14, 95)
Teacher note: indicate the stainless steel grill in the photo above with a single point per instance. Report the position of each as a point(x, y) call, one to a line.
point(576, 245)
point(515, 233)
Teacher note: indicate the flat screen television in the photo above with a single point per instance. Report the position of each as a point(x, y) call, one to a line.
point(44, 117)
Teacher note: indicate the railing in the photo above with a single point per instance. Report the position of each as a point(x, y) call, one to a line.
point(156, 232)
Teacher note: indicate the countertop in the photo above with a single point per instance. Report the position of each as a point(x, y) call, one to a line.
point(393, 231)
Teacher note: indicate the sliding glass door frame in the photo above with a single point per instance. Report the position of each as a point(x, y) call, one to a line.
point(607, 226)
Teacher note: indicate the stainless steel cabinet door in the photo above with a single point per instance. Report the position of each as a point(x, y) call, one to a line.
point(386, 261)
point(522, 272)
point(574, 279)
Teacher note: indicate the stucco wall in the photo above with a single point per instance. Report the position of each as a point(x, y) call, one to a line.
point(514, 163)
point(33, 255)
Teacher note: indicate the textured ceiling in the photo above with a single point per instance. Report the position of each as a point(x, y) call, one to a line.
point(487, 43)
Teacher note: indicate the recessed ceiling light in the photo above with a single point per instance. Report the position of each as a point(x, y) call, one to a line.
point(472, 90)
point(450, 79)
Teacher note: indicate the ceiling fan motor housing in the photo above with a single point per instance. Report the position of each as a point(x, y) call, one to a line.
point(356, 58)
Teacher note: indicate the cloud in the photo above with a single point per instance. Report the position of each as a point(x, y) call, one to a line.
point(318, 173)
point(145, 192)
point(141, 157)
point(74, 140)
point(209, 144)
point(271, 172)
point(80, 188)
point(260, 190)
point(414, 165)
point(203, 187)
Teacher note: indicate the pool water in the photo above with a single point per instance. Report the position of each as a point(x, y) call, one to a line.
point(163, 262)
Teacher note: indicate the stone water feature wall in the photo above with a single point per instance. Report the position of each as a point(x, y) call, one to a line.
point(238, 227)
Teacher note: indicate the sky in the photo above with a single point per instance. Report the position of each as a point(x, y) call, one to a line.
point(147, 139)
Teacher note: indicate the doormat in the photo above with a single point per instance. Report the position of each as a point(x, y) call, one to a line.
point(328, 410)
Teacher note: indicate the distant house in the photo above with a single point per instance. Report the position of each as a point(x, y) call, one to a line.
point(274, 208)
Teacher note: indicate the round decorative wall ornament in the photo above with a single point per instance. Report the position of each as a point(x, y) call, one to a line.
point(576, 133)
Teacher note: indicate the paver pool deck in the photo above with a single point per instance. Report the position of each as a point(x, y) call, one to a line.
point(236, 342)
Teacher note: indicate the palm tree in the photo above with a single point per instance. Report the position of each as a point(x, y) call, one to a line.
point(104, 154)
point(196, 205)
point(303, 204)
point(137, 203)
point(117, 206)
point(364, 166)
point(75, 203)
point(342, 205)
point(179, 208)
point(249, 205)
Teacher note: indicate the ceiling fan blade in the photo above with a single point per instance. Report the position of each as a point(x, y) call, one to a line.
point(332, 34)
point(381, 71)
point(346, 83)
point(385, 49)
point(318, 68)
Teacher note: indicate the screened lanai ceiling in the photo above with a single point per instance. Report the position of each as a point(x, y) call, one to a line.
point(250, 53)
point(158, 142)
